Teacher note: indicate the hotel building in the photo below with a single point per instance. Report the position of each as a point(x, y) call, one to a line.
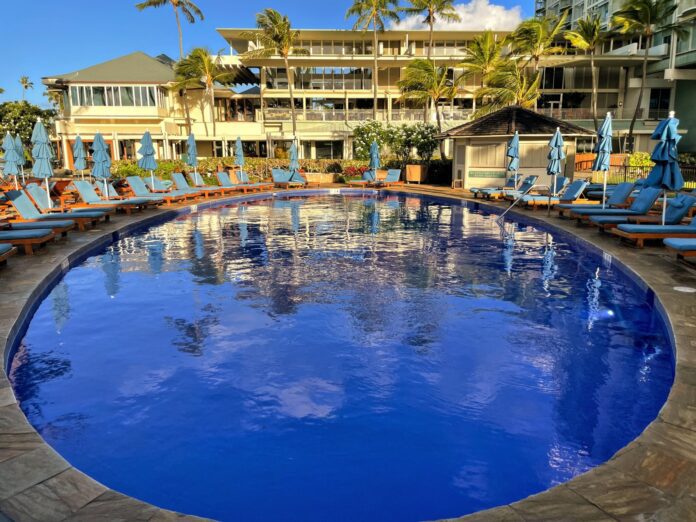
point(126, 96)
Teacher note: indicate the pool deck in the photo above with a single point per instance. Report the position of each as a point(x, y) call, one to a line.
point(653, 478)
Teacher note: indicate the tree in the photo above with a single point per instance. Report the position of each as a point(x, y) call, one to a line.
point(537, 37)
point(373, 13)
point(644, 18)
point(190, 11)
point(276, 36)
point(423, 82)
point(510, 86)
point(200, 68)
point(364, 134)
point(26, 84)
point(588, 37)
point(20, 117)
point(483, 56)
point(186, 7)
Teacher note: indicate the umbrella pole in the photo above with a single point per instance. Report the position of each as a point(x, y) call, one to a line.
point(48, 195)
point(106, 190)
point(82, 173)
point(24, 181)
point(552, 192)
point(16, 182)
point(664, 208)
point(604, 190)
point(152, 178)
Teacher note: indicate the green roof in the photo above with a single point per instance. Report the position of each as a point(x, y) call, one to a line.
point(136, 67)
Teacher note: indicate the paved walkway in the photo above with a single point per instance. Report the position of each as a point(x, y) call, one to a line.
point(653, 478)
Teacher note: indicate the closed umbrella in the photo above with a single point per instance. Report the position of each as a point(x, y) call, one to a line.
point(294, 164)
point(102, 162)
point(79, 156)
point(603, 149)
point(556, 156)
point(11, 158)
point(374, 157)
point(147, 156)
point(513, 154)
point(19, 147)
point(43, 155)
point(192, 152)
point(239, 159)
point(666, 173)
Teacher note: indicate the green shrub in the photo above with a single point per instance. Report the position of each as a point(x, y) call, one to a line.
point(640, 159)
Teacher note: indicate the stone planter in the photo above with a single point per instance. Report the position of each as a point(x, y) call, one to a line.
point(319, 177)
point(416, 173)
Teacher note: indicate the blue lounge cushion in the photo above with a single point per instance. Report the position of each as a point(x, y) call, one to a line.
point(5, 248)
point(48, 223)
point(658, 229)
point(681, 244)
point(640, 206)
point(34, 233)
point(609, 220)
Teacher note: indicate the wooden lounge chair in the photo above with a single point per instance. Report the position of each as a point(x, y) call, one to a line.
point(525, 188)
point(682, 247)
point(27, 239)
point(640, 206)
point(617, 199)
point(282, 179)
point(393, 178)
point(140, 190)
point(199, 182)
point(571, 193)
point(82, 216)
point(243, 179)
point(509, 185)
point(182, 185)
point(225, 181)
point(6, 251)
point(60, 222)
point(90, 199)
point(368, 177)
point(677, 210)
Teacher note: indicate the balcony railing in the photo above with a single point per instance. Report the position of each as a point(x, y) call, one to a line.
point(575, 114)
point(333, 115)
point(687, 7)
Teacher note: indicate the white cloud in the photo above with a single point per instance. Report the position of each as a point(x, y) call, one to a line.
point(475, 16)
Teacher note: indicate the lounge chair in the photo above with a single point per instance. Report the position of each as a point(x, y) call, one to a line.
point(676, 211)
point(298, 177)
point(525, 187)
point(243, 179)
point(368, 177)
point(90, 198)
point(281, 178)
point(114, 195)
point(157, 185)
point(597, 194)
point(27, 239)
point(140, 190)
point(182, 186)
point(6, 251)
point(681, 246)
point(38, 195)
point(640, 207)
point(199, 182)
point(393, 178)
point(569, 194)
point(509, 185)
point(618, 198)
point(560, 183)
point(226, 182)
point(60, 221)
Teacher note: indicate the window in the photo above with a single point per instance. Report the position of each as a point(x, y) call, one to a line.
point(74, 96)
point(659, 103)
point(112, 96)
point(127, 96)
point(99, 96)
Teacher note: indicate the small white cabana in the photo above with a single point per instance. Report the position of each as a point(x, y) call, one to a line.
point(480, 145)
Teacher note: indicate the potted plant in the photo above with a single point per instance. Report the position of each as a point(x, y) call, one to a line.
point(424, 141)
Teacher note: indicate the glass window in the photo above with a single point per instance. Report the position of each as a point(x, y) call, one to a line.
point(86, 96)
point(99, 96)
point(151, 100)
point(316, 47)
point(137, 96)
point(74, 96)
point(127, 96)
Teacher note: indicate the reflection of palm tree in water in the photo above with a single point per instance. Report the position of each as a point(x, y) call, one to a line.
point(194, 334)
point(111, 265)
point(549, 266)
point(593, 286)
point(60, 301)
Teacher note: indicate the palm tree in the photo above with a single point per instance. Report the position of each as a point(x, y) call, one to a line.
point(276, 36)
point(433, 9)
point(425, 83)
point(200, 68)
point(26, 84)
point(187, 8)
point(644, 18)
point(508, 85)
point(373, 13)
point(589, 37)
point(483, 56)
point(537, 37)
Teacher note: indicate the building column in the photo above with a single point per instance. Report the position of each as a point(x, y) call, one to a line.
point(66, 151)
point(117, 150)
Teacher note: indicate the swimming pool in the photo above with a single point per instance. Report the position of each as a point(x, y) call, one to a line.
point(341, 358)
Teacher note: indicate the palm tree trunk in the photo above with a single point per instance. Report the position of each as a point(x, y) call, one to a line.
point(439, 127)
point(426, 115)
point(594, 90)
point(212, 110)
point(291, 79)
point(181, 34)
point(374, 70)
point(648, 42)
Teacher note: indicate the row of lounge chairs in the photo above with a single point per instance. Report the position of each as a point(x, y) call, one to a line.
point(632, 211)
point(369, 179)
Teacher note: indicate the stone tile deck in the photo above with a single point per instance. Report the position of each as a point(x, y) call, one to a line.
point(653, 478)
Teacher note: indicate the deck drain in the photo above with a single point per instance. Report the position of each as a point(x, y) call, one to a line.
point(685, 289)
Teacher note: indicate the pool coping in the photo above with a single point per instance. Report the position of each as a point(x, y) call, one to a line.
point(653, 475)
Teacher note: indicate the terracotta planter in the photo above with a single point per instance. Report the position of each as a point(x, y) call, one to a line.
point(380, 174)
point(415, 173)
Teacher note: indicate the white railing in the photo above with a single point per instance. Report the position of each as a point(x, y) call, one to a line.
point(397, 115)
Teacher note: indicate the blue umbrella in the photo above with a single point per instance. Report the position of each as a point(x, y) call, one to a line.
point(556, 156)
point(603, 149)
point(513, 153)
point(11, 158)
point(79, 156)
point(19, 147)
point(147, 155)
point(239, 154)
point(374, 157)
point(294, 163)
point(43, 155)
point(191, 152)
point(102, 161)
point(666, 173)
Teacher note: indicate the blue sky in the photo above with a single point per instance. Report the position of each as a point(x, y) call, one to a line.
point(45, 39)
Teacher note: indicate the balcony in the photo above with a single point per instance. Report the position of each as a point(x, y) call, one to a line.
point(687, 8)
point(576, 113)
point(336, 115)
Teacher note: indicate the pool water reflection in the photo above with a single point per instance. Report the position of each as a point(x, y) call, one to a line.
point(341, 358)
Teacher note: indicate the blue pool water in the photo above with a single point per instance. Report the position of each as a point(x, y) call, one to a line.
point(339, 358)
